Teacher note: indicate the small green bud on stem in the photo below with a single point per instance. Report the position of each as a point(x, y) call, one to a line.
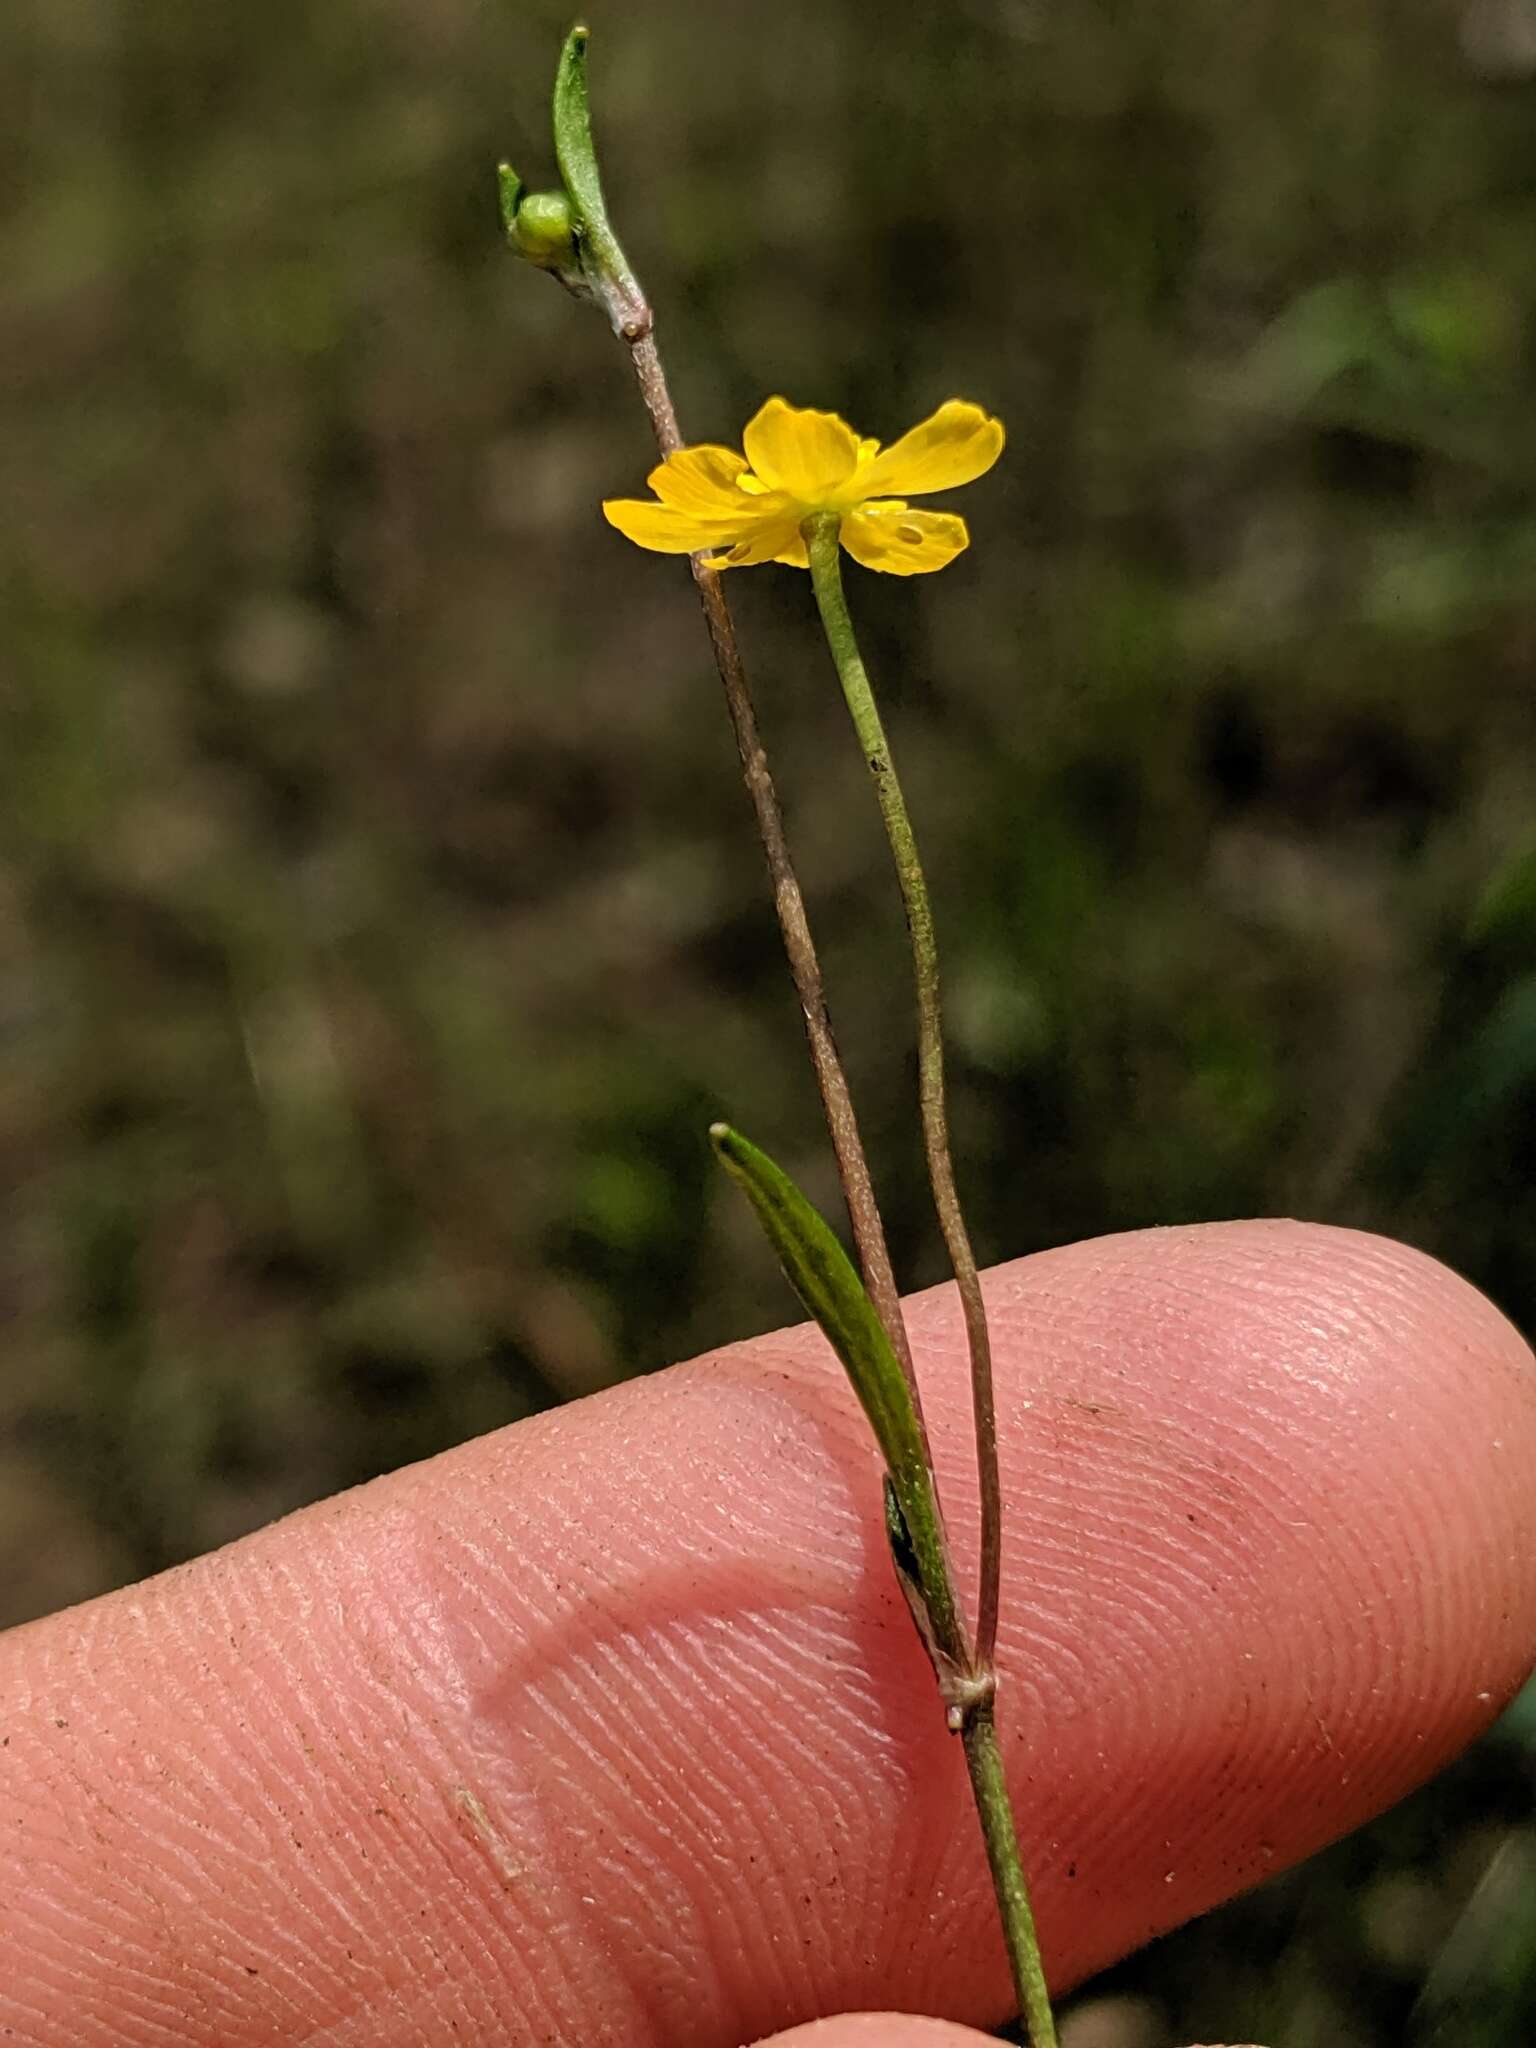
point(544, 230)
point(568, 232)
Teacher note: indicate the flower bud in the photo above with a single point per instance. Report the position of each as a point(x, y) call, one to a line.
point(541, 226)
point(543, 230)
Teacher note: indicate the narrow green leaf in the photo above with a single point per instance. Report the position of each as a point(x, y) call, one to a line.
point(823, 1276)
point(604, 261)
point(509, 190)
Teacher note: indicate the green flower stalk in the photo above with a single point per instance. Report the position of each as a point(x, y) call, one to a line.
point(974, 1715)
point(822, 534)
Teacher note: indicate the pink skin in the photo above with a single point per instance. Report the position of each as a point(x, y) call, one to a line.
point(879, 2030)
point(611, 1729)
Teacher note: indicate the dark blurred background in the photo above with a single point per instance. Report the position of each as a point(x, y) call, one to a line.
point(380, 919)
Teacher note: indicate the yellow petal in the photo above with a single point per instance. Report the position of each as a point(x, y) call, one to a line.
point(664, 527)
point(701, 480)
point(778, 540)
point(892, 537)
point(806, 454)
point(954, 446)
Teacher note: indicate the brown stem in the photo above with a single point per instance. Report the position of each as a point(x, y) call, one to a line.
point(804, 966)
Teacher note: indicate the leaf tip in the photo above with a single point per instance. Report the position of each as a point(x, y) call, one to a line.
point(509, 189)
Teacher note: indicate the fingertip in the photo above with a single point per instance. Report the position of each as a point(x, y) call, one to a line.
point(899, 2030)
point(876, 2030)
point(615, 1721)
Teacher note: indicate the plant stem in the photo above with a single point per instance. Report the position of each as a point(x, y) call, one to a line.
point(794, 925)
point(990, 1785)
point(821, 537)
point(600, 268)
point(976, 1712)
point(915, 1527)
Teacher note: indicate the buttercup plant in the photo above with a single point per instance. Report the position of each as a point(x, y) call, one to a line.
point(803, 488)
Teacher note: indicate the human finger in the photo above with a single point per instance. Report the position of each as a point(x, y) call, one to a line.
point(611, 1728)
point(878, 2030)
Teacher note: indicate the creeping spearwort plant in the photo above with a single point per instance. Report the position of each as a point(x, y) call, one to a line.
point(803, 488)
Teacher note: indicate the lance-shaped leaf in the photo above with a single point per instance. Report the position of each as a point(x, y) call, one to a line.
point(606, 266)
point(823, 1276)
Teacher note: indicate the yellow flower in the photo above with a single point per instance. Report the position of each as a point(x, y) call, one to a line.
point(750, 507)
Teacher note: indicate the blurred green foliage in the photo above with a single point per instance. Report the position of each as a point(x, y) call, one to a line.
point(380, 925)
